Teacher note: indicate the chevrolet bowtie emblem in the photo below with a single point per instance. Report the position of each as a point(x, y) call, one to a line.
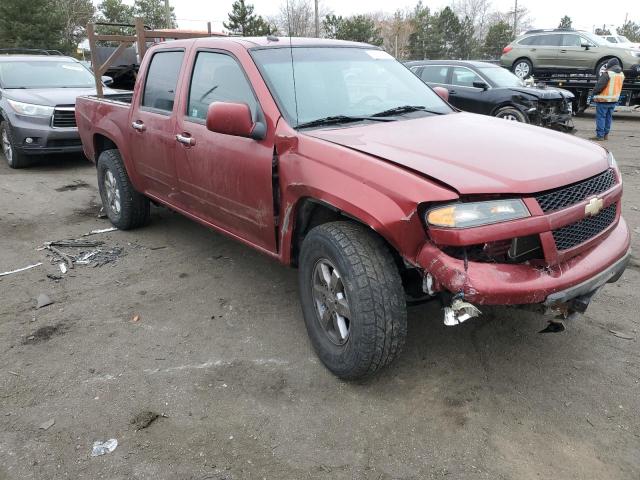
point(593, 207)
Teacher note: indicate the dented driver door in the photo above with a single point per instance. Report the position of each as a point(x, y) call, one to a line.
point(224, 180)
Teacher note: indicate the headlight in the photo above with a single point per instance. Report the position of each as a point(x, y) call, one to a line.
point(612, 160)
point(633, 53)
point(31, 109)
point(474, 214)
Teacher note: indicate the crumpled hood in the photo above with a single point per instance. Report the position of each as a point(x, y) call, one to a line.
point(476, 154)
point(50, 96)
point(544, 93)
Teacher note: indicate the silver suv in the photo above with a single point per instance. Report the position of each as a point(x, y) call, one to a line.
point(566, 51)
point(37, 104)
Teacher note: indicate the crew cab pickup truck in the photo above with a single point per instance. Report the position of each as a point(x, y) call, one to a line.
point(332, 157)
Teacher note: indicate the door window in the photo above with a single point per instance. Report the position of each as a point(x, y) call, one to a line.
point(434, 74)
point(571, 40)
point(464, 77)
point(549, 40)
point(162, 78)
point(217, 77)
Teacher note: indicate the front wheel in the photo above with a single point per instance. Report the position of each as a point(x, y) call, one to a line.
point(15, 159)
point(512, 114)
point(352, 299)
point(125, 207)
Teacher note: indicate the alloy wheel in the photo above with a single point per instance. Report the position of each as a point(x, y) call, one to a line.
point(332, 306)
point(510, 117)
point(522, 70)
point(112, 192)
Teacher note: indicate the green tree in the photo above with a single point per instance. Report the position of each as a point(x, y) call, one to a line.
point(154, 13)
point(360, 28)
point(447, 28)
point(465, 43)
point(115, 11)
point(499, 35)
point(419, 23)
point(33, 24)
point(565, 22)
point(243, 21)
point(603, 31)
point(631, 30)
point(74, 14)
point(331, 25)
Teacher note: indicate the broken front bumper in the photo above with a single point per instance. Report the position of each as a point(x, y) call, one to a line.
point(522, 284)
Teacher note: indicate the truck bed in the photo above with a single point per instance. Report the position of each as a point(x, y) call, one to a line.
point(106, 116)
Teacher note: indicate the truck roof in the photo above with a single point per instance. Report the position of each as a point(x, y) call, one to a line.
point(270, 42)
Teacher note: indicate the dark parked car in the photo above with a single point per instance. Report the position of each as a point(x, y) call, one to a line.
point(485, 88)
point(37, 104)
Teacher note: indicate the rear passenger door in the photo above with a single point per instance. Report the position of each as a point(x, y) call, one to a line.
point(223, 179)
point(151, 139)
point(545, 50)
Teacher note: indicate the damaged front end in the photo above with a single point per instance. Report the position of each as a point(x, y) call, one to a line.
point(551, 257)
point(550, 108)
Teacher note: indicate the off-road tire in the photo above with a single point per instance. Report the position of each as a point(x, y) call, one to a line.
point(526, 61)
point(511, 113)
point(134, 207)
point(17, 159)
point(378, 323)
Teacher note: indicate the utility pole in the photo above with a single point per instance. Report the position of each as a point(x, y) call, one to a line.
point(515, 20)
point(167, 13)
point(317, 21)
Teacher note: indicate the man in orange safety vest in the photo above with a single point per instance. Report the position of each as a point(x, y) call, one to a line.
point(606, 94)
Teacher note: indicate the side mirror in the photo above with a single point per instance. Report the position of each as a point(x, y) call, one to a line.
point(234, 119)
point(442, 92)
point(480, 84)
point(107, 80)
point(585, 45)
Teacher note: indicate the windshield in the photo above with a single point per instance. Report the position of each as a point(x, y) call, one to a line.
point(341, 81)
point(501, 77)
point(44, 74)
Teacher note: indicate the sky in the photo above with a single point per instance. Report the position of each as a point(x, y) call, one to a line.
point(194, 14)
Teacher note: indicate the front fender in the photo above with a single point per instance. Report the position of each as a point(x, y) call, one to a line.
point(377, 193)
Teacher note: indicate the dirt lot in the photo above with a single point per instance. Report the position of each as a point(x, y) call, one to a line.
point(220, 349)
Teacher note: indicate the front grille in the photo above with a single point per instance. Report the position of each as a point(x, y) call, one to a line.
point(587, 228)
point(567, 196)
point(64, 118)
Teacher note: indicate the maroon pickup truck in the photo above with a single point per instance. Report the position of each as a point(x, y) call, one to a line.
point(334, 158)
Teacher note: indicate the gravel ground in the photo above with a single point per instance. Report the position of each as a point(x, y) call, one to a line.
point(185, 324)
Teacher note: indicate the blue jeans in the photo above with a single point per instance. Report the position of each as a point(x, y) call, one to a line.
point(604, 112)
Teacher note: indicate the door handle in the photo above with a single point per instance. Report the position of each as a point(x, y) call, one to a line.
point(452, 92)
point(563, 51)
point(139, 125)
point(185, 139)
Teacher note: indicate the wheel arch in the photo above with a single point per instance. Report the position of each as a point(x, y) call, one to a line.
point(607, 57)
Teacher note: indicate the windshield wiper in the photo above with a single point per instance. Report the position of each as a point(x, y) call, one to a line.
point(336, 119)
point(405, 109)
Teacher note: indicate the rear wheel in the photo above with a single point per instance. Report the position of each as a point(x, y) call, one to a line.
point(522, 68)
point(125, 207)
point(14, 158)
point(352, 299)
point(511, 114)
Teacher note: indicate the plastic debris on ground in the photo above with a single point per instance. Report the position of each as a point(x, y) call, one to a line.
point(43, 300)
point(10, 272)
point(47, 425)
point(102, 230)
point(100, 448)
point(622, 335)
point(87, 252)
